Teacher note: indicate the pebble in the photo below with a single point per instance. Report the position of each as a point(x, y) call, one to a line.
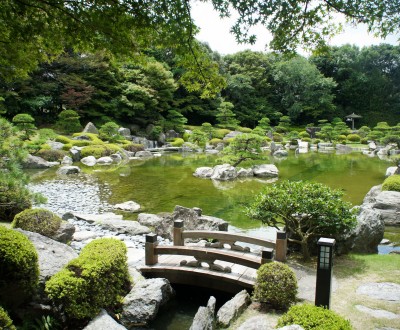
point(84, 194)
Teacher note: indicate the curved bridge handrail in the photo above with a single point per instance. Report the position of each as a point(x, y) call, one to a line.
point(225, 236)
point(206, 254)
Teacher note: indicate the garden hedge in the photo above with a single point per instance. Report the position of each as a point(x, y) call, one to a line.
point(392, 183)
point(276, 284)
point(311, 317)
point(5, 321)
point(41, 221)
point(19, 269)
point(97, 279)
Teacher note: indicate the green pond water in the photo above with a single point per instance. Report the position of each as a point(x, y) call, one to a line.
point(161, 183)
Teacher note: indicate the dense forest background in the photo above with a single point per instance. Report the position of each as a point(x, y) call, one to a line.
point(333, 83)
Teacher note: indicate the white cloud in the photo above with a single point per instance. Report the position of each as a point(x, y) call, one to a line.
point(215, 31)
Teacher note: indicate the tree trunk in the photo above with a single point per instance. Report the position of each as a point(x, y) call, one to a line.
point(305, 251)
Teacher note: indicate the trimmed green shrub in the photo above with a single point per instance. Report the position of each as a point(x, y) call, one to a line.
point(316, 141)
point(97, 279)
point(62, 139)
point(186, 136)
point(304, 134)
point(25, 123)
point(134, 147)
point(67, 146)
point(68, 121)
point(178, 142)
point(306, 139)
point(220, 133)
point(314, 318)
point(51, 155)
point(353, 138)
point(392, 183)
point(47, 134)
point(5, 321)
point(244, 129)
point(41, 221)
point(109, 132)
point(214, 142)
point(342, 138)
point(364, 141)
point(100, 150)
point(277, 137)
point(391, 139)
point(81, 143)
point(276, 284)
point(19, 269)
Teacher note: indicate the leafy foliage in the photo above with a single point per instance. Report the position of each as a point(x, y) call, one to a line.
point(243, 147)
point(313, 317)
point(25, 123)
point(109, 131)
point(5, 322)
point(276, 284)
point(392, 183)
point(306, 209)
point(97, 279)
point(40, 221)
point(19, 269)
point(68, 121)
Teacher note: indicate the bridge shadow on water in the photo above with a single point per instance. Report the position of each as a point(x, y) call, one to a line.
point(178, 314)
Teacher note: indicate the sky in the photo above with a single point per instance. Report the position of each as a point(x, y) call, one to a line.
point(215, 31)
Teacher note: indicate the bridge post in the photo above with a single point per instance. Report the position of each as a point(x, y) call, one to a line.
point(267, 255)
point(151, 258)
point(281, 246)
point(178, 230)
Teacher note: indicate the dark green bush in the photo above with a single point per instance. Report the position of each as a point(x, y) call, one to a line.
point(19, 270)
point(306, 139)
point(314, 318)
point(5, 321)
point(277, 137)
point(68, 121)
point(25, 123)
point(134, 147)
point(51, 155)
point(364, 141)
point(304, 134)
point(97, 279)
point(392, 183)
point(276, 284)
point(391, 139)
point(109, 132)
point(220, 133)
point(244, 129)
point(41, 221)
point(353, 138)
point(14, 198)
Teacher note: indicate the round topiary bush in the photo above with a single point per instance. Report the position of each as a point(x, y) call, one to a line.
point(98, 278)
point(41, 221)
point(214, 142)
point(5, 321)
point(276, 284)
point(312, 317)
point(19, 269)
point(68, 121)
point(392, 183)
point(353, 138)
point(178, 142)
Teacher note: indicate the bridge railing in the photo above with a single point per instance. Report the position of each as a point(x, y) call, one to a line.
point(279, 245)
point(218, 252)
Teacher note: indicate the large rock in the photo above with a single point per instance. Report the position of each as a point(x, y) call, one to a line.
point(35, 162)
point(370, 197)
point(67, 170)
point(388, 204)
point(369, 230)
point(224, 172)
point(65, 233)
point(124, 131)
point(89, 161)
point(103, 321)
point(192, 219)
point(265, 171)
point(92, 218)
point(52, 255)
point(55, 145)
point(256, 323)
point(203, 172)
point(232, 309)
point(141, 305)
point(232, 135)
point(90, 128)
point(129, 206)
point(281, 153)
point(391, 170)
point(171, 134)
point(67, 160)
point(76, 153)
point(381, 291)
point(245, 172)
point(124, 226)
point(204, 318)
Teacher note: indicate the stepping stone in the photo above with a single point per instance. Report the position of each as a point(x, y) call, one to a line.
point(378, 313)
point(381, 291)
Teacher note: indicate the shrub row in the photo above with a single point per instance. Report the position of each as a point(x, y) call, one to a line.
point(97, 279)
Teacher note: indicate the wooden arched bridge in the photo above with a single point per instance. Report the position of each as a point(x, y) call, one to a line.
point(222, 265)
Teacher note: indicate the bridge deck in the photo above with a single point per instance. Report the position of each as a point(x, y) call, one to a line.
point(168, 266)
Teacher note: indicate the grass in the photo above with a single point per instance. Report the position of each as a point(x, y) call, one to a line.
point(393, 234)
